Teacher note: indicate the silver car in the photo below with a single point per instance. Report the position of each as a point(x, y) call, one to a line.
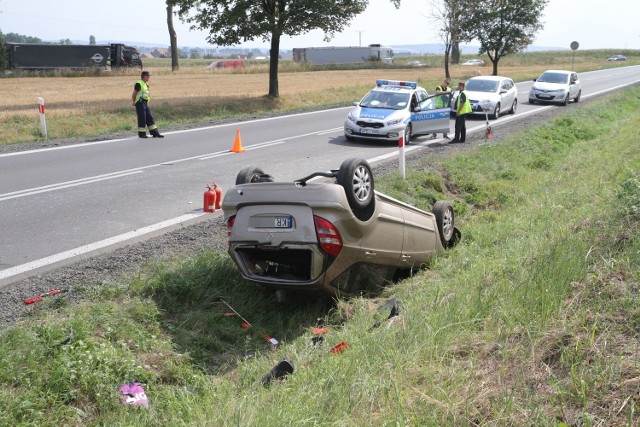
point(395, 108)
point(556, 86)
point(339, 236)
point(490, 95)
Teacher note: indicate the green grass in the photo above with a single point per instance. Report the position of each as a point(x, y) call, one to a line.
point(532, 320)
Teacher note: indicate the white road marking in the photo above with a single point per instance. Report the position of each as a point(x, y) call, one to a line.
point(62, 256)
point(61, 185)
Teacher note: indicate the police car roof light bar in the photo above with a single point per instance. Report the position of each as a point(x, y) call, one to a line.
point(381, 82)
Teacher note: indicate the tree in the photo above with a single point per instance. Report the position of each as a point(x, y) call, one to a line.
point(503, 27)
point(231, 22)
point(447, 14)
point(173, 39)
point(92, 40)
point(4, 62)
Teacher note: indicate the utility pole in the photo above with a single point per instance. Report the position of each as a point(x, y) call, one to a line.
point(360, 37)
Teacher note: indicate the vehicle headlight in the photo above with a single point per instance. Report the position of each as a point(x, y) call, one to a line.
point(351, 118)
point(394, 122)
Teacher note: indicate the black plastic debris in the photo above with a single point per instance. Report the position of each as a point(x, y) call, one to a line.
point(388, 310)
point(281, 370)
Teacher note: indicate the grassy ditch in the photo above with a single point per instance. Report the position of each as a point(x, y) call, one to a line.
point(532, 320)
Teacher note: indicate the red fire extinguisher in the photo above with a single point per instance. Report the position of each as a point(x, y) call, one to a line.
point(218, 191)
point(209, 200)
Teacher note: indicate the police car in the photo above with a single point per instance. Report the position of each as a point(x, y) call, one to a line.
point(397, 108)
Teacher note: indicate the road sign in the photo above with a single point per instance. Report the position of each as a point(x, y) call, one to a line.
point(574, 45)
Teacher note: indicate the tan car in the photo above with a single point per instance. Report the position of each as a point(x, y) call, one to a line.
point(340, 236)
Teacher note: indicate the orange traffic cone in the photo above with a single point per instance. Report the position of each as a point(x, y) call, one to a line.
point(237, 143)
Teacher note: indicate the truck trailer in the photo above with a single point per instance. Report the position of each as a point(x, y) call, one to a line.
point(31, 56)
point(343, 55)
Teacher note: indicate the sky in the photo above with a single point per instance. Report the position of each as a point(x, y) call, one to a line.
point(594, 24)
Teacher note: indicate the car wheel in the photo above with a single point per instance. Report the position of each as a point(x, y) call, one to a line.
point(496, 112)
point(356, 178)
point(443, 212)
point(514, 107)
point(566, 101)
point(407, 134)
point(249, 174)
point(532, 101)
point(577, 98)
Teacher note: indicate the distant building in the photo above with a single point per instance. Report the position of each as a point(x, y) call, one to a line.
point(161, 53)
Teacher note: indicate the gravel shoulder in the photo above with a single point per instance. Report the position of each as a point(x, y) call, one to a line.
point(209, 233)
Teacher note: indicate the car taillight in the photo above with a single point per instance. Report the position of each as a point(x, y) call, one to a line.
point(230, 221)
point(328, 236)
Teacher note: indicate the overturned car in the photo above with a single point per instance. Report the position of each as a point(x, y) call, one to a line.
point(338, 235)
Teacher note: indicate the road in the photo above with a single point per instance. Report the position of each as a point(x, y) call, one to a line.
point(61, 203)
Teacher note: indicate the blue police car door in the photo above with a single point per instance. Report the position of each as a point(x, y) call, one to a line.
point(431, 115)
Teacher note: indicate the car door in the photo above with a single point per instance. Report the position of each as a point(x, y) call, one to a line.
point(574, 85)
point(507, 94)
point(432, 114)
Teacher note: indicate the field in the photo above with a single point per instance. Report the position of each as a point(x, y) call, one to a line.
point(90, 106)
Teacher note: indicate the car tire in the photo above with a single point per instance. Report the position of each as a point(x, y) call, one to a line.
point(443, 212)
point(577, 98)
point(496, 112)
point(514, 107)
point(407, 134)
point(248, 175)
point(356, 178)
point(566, 101)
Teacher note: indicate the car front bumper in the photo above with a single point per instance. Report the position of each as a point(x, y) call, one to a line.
point(373, 130)
point(540, 96)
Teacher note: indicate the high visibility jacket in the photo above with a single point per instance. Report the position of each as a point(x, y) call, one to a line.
point(442, 101)
point(466, 106)
point(143, 93)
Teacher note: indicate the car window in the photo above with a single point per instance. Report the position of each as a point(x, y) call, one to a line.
point(482, 85)
point(422, 95)
point(435, 102)
point(560, 78)
point(389, 100)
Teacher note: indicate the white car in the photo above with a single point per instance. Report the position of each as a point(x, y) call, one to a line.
point(490, 95)
point(473, 62)
point(394, 108)
point(556, 86)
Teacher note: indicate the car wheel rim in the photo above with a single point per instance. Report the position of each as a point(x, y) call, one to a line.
point(407, 134)
point(447, 224)
point(361, 183)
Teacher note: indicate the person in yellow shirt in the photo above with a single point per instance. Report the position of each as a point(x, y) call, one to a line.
point(463, 107)
point(443, 101)
point(140, 98)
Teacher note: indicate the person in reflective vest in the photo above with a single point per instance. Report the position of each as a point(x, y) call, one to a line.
point(463, 107)
point(443, 101)
point(140, 98)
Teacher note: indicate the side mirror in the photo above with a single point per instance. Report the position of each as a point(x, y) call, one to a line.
point(417, 109)
point(535, 80)
point(355, 103)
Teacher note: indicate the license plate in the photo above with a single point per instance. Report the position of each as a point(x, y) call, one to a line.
point(371, 131)
point(280, 221)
